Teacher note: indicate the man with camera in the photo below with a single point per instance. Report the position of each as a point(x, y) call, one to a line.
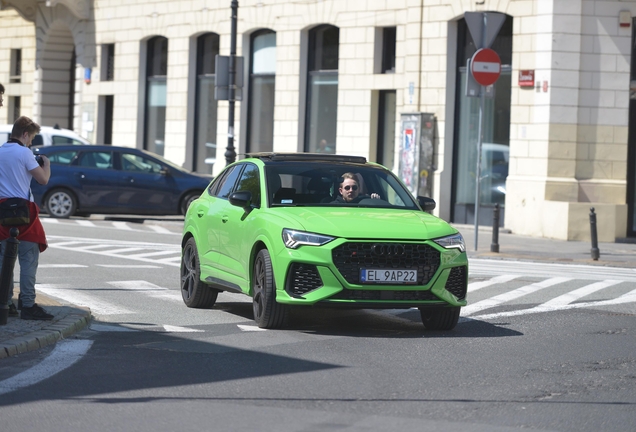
point(17, 167)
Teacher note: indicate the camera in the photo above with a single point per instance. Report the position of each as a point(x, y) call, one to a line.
point(39, 160)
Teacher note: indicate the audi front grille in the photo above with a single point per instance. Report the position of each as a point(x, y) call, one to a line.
point(350, 257)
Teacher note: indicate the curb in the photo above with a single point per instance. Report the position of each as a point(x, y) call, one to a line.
point(72, 323)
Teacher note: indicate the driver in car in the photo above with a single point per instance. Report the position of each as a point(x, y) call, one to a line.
point(350, 190)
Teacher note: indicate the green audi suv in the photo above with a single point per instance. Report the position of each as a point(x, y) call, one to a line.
point(304, 230)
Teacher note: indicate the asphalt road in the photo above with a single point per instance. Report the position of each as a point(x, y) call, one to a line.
point(541, 347)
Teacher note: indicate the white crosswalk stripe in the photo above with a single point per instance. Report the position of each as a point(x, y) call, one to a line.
point(512, 295)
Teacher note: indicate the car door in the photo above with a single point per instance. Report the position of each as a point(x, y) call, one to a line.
point(147, 187)
point(211, 211)
point(235, 232)
point(97, 180)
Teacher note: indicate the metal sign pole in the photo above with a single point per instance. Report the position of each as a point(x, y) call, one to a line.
point(480, 139)
point(230, 152)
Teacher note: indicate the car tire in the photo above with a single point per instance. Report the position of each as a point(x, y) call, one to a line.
point(267, 312)
point(440, 318)
point(195, 293)
point(187, 200)
point(60, 203)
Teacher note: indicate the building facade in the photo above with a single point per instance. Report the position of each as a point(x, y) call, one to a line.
point(557, 131)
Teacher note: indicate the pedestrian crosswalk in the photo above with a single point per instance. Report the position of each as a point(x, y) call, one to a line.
point(489, 298)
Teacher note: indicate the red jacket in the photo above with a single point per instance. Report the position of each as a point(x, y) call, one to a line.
point(31, 232)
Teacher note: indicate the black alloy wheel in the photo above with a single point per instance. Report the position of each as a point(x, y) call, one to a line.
point(195, 293)
point(267, 312)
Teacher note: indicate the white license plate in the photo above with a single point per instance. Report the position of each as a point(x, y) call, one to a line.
point(396, 276)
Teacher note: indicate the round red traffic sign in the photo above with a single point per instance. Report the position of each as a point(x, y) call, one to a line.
point(485, 66)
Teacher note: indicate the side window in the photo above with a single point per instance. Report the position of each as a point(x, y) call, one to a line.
point(95, 159)
point(37, 140)
point(136, 163)
point(228, 182)
point(61, 140)
point(62, 158)
point(250, 182)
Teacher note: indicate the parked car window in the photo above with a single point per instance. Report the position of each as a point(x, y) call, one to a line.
point(101, 160)
point(131, 162)
point(62, 158)
point(249, 182)
point(225, 188)
point(37, 140)
point(62, 140)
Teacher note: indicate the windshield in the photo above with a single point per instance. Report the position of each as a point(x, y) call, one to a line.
point(332, 184)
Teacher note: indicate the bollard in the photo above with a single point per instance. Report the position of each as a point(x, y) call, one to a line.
point(8, 263)
point(595, 252)
point(494, 246)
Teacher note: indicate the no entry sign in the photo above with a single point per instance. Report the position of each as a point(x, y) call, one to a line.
point(485, 66)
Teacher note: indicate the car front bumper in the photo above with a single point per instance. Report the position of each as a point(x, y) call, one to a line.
point(329, 275)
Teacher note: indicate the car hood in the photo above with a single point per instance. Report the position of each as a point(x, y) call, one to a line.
point(368, 223)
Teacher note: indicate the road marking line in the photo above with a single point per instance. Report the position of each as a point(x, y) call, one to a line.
point(70, 295)
point(170, 295)
point(177, 329)
point(472, 287)
point(159, 229)
point(573, 296)
point(124, 250)
point(249, 328)
point(49, 220)
point(122, 226)
point(630, 297)
point(110, 328)
point(136, 285)
point(65, 354)
point(85, 223)
point(132, 266)
point(512, 295)
point(149, 254)
point(94, 246)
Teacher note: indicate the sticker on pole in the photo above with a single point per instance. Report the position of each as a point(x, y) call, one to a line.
point(485, 66)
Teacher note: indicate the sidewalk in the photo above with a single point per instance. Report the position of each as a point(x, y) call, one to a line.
point(19, 336)
point(524, 248)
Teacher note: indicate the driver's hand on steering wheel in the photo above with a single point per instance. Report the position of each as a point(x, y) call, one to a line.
point(375, 196)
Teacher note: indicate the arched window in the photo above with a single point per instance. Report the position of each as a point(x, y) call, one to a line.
point(156, 72)
point(206, 104)
point(260, 133)
point(322, 89)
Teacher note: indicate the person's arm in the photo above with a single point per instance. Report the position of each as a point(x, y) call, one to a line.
point(42, 174)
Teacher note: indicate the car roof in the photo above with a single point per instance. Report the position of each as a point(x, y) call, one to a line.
point(306, 157)
point(79, 147)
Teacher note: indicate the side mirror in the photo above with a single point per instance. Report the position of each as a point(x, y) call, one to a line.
point(165, 172)
point(241, 199)
point(427, 204)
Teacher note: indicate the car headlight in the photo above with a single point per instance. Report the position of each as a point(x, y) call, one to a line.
point(293, 239)
point(455, 241)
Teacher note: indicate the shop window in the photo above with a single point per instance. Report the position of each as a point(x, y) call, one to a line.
point(156, 73)
point(206, 104)
point(107, 72)
point(322, 90)
point(260, 133)
point(15, 74)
